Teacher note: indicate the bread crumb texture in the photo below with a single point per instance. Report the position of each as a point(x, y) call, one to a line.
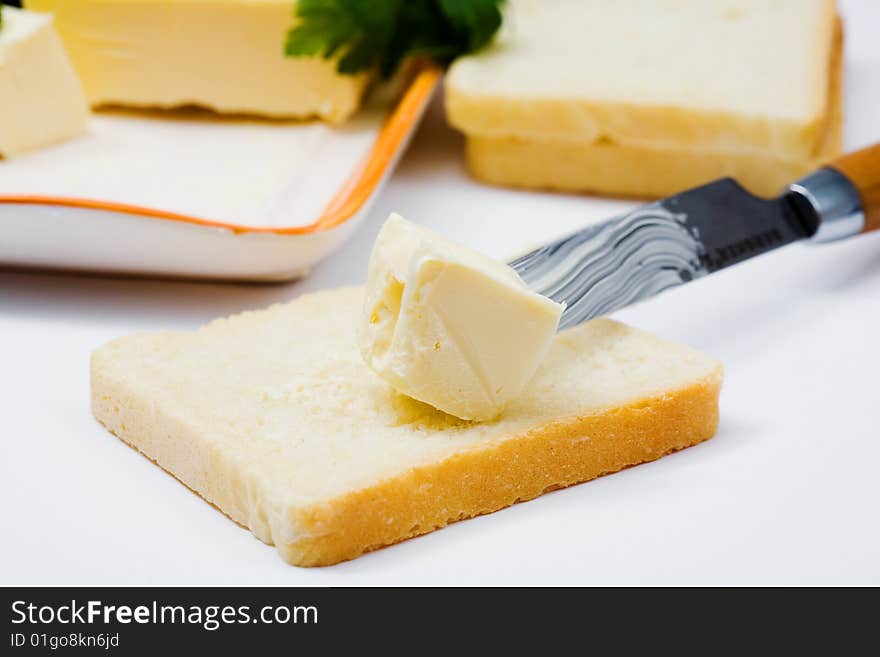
point(273, 417)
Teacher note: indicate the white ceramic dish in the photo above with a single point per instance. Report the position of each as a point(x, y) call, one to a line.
point(193, 195)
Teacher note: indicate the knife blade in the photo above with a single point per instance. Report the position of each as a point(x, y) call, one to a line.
point(674, 241)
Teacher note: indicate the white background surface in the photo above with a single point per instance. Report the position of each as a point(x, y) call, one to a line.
point(787, 492)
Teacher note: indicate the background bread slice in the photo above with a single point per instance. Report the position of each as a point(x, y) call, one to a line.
point(273, 417)
point(635, 171)
point(637, 139)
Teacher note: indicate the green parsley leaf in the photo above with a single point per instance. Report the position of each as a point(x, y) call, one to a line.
point(474, 23)
point(380, 34)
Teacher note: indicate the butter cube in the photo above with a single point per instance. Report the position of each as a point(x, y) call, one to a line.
point(449, 326)
point(41, 99)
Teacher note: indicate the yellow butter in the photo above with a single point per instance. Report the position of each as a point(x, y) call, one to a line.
point(449, 326)
point(225, 55)
point(41, 99)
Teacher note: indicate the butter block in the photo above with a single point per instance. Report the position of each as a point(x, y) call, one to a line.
point(41, 99)
point(449, 326)
point(223, 55)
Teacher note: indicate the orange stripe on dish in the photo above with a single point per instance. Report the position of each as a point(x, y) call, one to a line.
point(347, 201)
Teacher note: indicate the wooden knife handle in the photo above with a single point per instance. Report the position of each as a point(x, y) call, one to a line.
point(863, 170)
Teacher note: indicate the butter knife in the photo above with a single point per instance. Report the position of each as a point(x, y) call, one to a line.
point(658, 246)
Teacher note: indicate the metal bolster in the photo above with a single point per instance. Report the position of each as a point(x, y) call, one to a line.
point(835, 201)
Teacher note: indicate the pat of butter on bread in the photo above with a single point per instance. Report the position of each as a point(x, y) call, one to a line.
point(450, 326)
point(274, 417)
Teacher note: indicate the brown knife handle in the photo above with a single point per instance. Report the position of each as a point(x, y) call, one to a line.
point(862, 167)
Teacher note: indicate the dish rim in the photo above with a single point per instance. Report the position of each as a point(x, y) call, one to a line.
point(344, 205)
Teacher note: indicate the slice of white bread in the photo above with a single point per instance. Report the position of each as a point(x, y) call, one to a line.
point(273, 417)
point(648, 97)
